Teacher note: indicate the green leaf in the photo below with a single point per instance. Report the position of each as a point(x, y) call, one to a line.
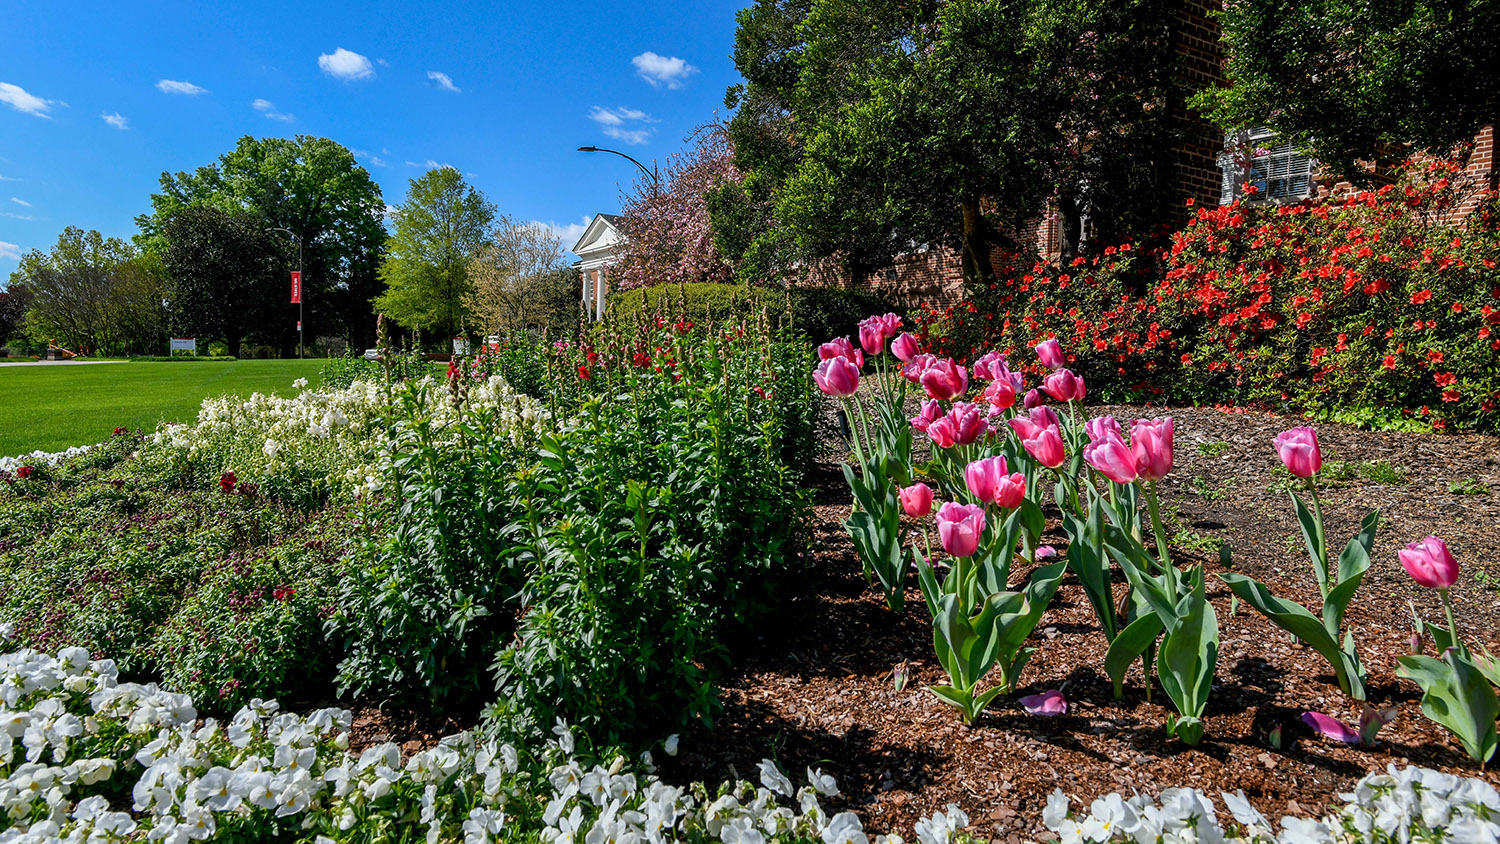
point(1300, 622)
point(1312, 537)
point(1128, 646)
point(1456, 695)
point(1189, 654)
point(963, 701)
point(1353, 564)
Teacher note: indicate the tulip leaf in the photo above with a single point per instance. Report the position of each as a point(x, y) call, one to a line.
point(1456, 695)
point(1189, 654)
point(1087, 560)
point(931, 590)
point(1488, 665)
point(1312, 536)
point(953, 697)
point(1300, 622)
point(1353, 564)
point(1032, 519)
point(1128, 646)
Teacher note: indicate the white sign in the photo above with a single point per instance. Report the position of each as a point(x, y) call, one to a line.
point(188, 344)
point(460, 345)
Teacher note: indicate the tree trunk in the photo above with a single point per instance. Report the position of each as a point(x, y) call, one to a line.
point(232, 339)
point(975, 252)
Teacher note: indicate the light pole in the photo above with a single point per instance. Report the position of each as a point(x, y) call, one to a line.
point(655, 182)
point(301, 283)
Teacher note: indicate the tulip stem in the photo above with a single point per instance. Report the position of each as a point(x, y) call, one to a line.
point(1322, 560)
point(1156, 527)
point(1453, 628)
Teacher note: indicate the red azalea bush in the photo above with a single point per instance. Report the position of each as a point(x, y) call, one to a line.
point(1363, 301)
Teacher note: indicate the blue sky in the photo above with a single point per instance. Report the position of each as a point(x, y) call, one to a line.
point(97, 99)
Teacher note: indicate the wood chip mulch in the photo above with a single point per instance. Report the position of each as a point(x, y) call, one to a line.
point(814, 686)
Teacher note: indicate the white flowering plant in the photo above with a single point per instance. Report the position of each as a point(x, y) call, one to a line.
point(87, 758)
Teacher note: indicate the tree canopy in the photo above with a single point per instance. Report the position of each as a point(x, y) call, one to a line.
point(866, 129)
point(441, 224)
point(520, 279)
point(231, 277)
point(310, 186)
point(1346, 79)
point(93, 293)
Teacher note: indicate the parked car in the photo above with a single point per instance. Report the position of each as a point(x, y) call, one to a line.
point(372, 354)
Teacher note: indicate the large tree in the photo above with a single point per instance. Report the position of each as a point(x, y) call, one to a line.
point(93, 293)
point(15, 301)
point(669, 236)
point(230, 276)
point(439, 227)
point(882, 125)
point(1349, 79)
point(518, 279)
point(312, 187)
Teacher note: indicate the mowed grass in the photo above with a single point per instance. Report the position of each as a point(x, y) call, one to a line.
point(53, 407)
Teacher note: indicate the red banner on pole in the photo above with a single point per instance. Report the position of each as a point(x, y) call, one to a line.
point(296, 288)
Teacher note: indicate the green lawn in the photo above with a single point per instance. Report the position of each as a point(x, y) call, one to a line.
point(54, 407)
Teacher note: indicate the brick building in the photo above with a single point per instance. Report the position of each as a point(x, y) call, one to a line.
point(1207, 165)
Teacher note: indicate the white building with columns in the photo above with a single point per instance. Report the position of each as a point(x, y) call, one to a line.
point(599, 248)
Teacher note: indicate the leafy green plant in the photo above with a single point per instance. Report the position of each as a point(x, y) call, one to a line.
point(1321, 628)
point(1469, 486)
point(1214, 448)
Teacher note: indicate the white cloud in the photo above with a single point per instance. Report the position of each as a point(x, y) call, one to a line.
point(15, 216)
point(10, 251)
point(9, 179)
point(17, 98)
point(268, 108)
point(374, 160)
point(568, 233)
point(345, 64)
point(624, 124)
point(21, 202)
point(431, 164)
point(662, 70)
point(442, 81)
point(169, 86)
point(115, 119)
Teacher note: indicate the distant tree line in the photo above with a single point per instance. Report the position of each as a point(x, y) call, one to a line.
point(214, 254)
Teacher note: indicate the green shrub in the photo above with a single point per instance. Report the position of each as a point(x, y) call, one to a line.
point(181, 358)
point(350, 367)
point(818, 313)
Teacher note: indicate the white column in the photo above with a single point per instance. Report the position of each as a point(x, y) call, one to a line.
point(588, 304)
point(599, 297)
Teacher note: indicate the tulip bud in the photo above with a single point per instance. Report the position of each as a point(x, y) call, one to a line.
point(1299, 450)
point(959, 528)
point(1032, 399)
point(905, 348)
point(1051, 355)
point(1151, 445)
point(1430, 564)
point(916, 500)
point(837, 377)
point(1063, 385)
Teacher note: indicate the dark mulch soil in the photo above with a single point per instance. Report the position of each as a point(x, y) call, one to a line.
point(815, 687)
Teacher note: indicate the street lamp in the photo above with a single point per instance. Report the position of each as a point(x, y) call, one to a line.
point(301, 283)
point(655, 182)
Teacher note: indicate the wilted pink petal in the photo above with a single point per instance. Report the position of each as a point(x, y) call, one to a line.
point(1047, 704)
point(1331, 727)
point(1045, 552)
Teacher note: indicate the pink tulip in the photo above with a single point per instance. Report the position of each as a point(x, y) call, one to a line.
point(1032, 399)
point(1044, 442)
point(1151, 444)
point(968, 423)
point(1111, 457)
point(1063, 385)
point(983, 477)
point(990, 366)
point(905, 348)
point(1101, 427)
point(841, 348)
point(837, 377)
point(959, 528)
point(1299, 451)
point(916, 366)
point(890, 325)
point(932, 411)
point(1430, 563)
point(945, 380)
point(1331, 727)
point(943, 433)
point(916, 500)
point(1043, 415)
point(1010, 490)
point(1051, 355)
point(1000, 393)
point(870, 337)
point(1047, 704)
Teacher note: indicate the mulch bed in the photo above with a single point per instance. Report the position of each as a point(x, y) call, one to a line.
point(816, 688)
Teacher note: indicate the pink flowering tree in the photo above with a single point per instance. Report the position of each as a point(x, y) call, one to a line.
point(670, 239)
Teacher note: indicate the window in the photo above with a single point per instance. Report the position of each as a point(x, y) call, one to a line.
point(1277, 170)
